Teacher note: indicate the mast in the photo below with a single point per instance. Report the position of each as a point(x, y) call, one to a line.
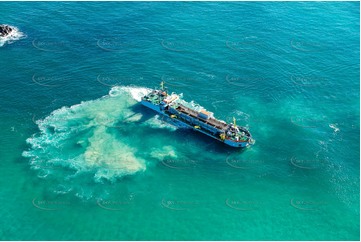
point(162, 86)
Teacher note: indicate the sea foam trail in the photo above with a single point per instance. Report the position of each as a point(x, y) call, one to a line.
point(87, 137)
point(15, 34)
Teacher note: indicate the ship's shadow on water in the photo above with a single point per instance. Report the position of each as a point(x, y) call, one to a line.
point(140, 109)
point(200, 141)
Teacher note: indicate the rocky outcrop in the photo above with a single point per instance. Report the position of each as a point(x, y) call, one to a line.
point(5, 30)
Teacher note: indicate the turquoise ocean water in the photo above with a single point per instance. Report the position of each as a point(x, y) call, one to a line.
point(82, 160)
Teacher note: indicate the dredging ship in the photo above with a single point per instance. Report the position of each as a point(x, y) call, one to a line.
point(182, 115)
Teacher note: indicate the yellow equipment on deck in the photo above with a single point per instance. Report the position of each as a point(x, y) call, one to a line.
point(222, 136)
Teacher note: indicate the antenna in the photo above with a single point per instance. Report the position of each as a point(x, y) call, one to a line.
point(234, 121)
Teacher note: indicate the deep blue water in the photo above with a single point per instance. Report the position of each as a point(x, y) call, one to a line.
point(82, 160)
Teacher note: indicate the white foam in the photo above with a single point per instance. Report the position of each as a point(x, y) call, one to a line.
point(158, 122)
point(61, 189)
point(92, 138)
point(166, 151)
point(15, 34)
point(136, 92)
point(334, 127)
point(78, 137)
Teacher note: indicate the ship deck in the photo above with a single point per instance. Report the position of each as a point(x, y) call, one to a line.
point(210, 121)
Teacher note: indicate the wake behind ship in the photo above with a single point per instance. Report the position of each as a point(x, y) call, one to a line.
point(182, 115)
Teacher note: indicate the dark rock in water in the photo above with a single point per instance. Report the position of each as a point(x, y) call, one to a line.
point(5, 30)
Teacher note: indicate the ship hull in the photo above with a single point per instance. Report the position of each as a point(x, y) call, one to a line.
point(180, 124)
point(151, 106)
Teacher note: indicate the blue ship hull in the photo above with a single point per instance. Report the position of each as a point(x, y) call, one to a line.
point(191, 124)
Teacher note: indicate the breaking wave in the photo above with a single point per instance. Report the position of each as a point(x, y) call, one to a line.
point(15, 34)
